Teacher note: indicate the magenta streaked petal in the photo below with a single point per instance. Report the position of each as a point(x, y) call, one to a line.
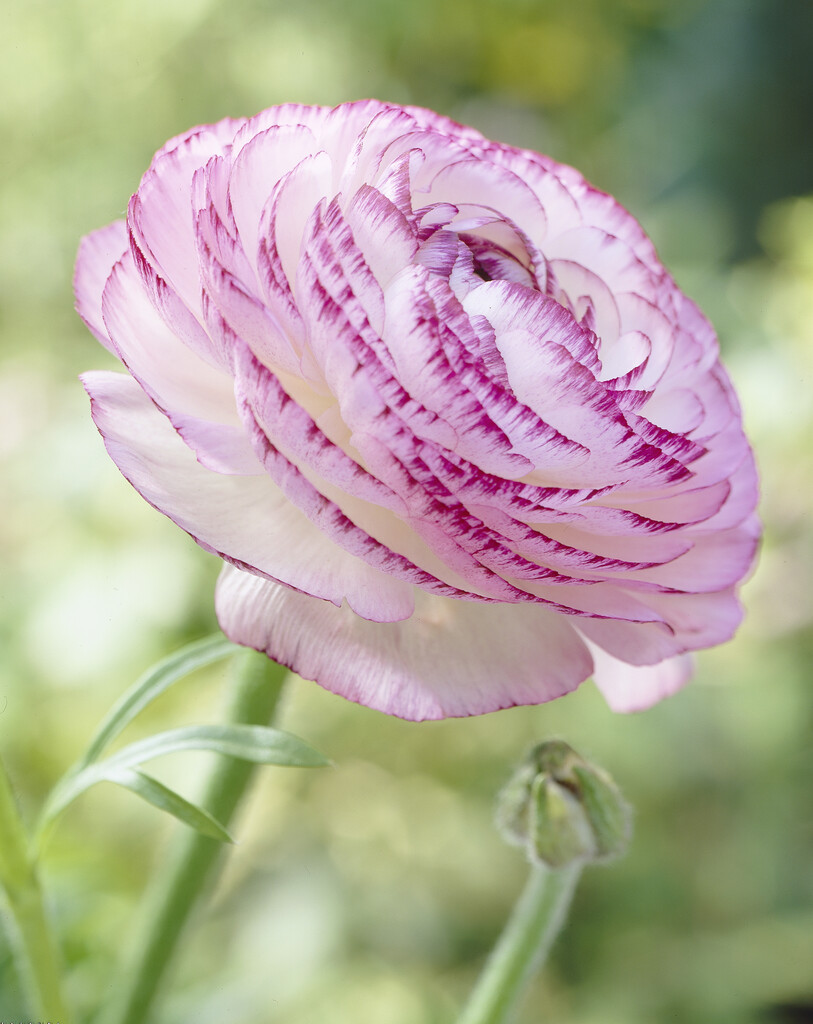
point(296, 435)
point(288, 209)
point(215, 231)
point(368, 160)
point(180, 320)
point(653, 546)
point(382, 233)
point(395, 180)
point(159, 216)
point(496, 433)
point(228, 302)
point(328, 517)
point(687, 507)
point(449, 659)
point(713, 563)
point(154, 459)
point(509, 307)
point(172, 374)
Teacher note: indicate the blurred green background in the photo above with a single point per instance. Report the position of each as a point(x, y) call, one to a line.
point(369, 893)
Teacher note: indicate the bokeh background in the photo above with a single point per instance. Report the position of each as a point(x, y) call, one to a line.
point(369, 893)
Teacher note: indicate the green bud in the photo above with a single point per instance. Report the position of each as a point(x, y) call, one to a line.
point(563, 810)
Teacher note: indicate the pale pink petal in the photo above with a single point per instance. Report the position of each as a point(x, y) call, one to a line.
point(637, 687)
point(449, 659)
point(98, 254)
point(605, 255)
point(260, 164)
point(714, 562)
point(270, 536)
point(493, 187)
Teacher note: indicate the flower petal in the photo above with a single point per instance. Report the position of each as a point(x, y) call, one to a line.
point(449, 659)
point(637, 687)
point(98, 254)
point(270, 537)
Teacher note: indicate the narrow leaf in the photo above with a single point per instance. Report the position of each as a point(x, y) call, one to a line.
point(157, 794)
point(260, 744)
point(152, 684)
point(257, 743)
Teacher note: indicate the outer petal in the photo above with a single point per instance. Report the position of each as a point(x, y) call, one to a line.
point(449, 659)
point(98, 254)
point(160, 215)
point(269, 536)
point(637, 687)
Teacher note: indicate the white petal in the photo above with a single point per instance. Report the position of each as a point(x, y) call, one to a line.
point(637, 687)
point(245, 519)
point(449, 659)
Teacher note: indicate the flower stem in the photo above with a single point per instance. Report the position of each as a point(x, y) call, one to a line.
point(535, 922)
point(188, 873)
point(35, 948)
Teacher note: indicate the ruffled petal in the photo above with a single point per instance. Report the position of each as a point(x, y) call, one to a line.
point(637, 687)
point(448, 659)
point(270, 536)
point(98, 254)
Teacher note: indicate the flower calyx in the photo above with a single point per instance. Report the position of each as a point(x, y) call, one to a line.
point(563, 809)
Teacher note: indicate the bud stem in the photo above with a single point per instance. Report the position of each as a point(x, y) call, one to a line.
point(523, 946)
point(35, 948)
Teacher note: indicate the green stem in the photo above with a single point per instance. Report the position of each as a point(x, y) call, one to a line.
point(36, 951)
point(188, 873)
point(535, 922)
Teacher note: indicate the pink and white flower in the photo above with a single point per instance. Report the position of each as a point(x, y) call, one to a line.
point(458, 436)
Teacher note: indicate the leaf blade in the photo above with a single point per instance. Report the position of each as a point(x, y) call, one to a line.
point(165, 799)
point(258, 743)
point(155, 681)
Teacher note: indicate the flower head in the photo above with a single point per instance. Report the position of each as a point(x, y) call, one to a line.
point(458, 436)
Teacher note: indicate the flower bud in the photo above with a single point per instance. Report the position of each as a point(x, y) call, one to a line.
point(563, 809)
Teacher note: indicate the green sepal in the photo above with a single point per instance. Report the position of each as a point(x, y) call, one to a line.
point(559, 832)
point(563, 809)
point(609, 815)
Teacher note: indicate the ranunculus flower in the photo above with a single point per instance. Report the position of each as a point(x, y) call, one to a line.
point(459, 437)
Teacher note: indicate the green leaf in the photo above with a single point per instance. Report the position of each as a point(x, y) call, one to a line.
point(151, 685)
point(257, 743)
point(157, 794)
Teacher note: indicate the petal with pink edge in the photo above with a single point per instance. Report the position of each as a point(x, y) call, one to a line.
point(98, 254)
point(449, 659)
point(269, 536)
